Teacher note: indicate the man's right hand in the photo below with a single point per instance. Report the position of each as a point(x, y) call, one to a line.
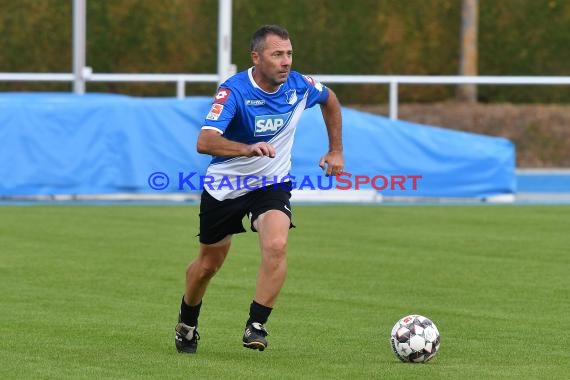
point(260, 149)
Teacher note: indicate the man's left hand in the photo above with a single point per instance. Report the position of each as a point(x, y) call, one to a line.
point(332, 163)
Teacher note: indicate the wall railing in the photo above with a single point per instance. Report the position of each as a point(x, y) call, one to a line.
point(393, 81)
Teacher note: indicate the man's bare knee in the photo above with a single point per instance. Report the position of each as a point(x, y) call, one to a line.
point(210, 260)
point(203, 269)
point(276, 246)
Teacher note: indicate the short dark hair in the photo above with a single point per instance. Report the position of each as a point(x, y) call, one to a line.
point(258, 38)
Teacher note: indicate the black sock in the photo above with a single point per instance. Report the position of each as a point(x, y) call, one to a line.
point(189, 314)
point(258, 313)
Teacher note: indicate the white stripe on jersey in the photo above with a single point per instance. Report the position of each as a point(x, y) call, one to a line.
point(213, 128)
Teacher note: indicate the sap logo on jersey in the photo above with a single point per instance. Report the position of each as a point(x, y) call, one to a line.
point(268, 125)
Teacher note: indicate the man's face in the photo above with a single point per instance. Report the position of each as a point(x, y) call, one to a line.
point(273, 64)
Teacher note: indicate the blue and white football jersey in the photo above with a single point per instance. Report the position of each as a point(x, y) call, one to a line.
point(245, 113)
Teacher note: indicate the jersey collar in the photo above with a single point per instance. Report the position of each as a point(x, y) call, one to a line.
point(255, 85)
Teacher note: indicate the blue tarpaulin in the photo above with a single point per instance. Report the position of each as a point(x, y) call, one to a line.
point(57, 143)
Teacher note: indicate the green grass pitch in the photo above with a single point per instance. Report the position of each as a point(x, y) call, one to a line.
point(93, 292)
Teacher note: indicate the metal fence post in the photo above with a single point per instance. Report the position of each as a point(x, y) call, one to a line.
point(224, 40)
point(393, 99)
point(181, 88)
point(79, 21)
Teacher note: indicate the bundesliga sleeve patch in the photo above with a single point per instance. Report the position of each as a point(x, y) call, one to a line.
point(314, 83)
point(222, 95)
point(215, 111)
point(309, 79)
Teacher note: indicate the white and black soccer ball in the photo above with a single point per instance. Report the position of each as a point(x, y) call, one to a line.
point(415, 339)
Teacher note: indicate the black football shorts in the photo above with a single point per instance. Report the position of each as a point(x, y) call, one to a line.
point(221, 218)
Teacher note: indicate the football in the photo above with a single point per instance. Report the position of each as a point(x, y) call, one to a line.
point(415, 339)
